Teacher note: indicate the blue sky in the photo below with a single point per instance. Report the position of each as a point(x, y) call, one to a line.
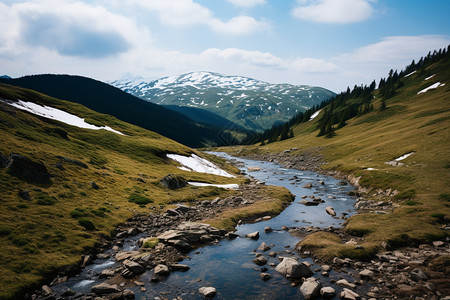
point(328, 43)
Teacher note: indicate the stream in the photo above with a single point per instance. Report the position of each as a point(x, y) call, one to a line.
point(228, 265)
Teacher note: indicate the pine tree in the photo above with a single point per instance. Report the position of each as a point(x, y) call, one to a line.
point(383, 105)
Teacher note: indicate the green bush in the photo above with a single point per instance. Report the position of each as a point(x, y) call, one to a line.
point(86, 223)
point(20, 240)
point(45, 199)
point(406, 194)
point(445, 197)
point(77, 213)
point(4, 231)
point(151, 243)
point(412, 203)
point(139, 199)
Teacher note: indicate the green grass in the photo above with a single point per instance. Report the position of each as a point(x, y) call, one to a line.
point(411, 123)
point(66, 218)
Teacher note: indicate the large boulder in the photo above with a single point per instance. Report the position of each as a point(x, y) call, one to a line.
point(104, 289)
point(28, 170)
point(173, 181)
point(290, 268)
point(310, 288)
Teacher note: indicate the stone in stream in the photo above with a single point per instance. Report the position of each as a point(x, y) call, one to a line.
point(307, 186)
point(127, 255)
point(327, 292)
point(310, 288)
point(290, 268)
point(161, 270)
point(344, 283)
point(267, 229)
point(207, 291)
point(265, 276)
point(253, 235)
point(260, 260)
point(179, 267)
point(264, 247)
point(330, 211)
point(133, 267)
point(104, 289)
point(366, 273)
point(347, 294)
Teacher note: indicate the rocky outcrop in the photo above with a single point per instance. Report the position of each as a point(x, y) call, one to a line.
point(173, 182)
point(28, 170)
point(208, 291)
point(105, 289)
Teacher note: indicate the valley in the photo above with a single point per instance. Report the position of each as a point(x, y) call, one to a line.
point(84, 197)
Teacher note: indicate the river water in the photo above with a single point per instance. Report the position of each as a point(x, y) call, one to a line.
point(228, 265)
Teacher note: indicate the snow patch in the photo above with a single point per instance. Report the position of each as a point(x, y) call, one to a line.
point(436, 85)
point(197, 164)
point(404, 156)
point(232, 186)
point(430, 77)
point(370, 169)
point(57, 114)
point(410, 74)
point(314, 115)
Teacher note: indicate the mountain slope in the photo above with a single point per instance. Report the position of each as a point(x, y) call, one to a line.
point(253, 104)
point(397, 147)
point(104, 98)
point(50, 211)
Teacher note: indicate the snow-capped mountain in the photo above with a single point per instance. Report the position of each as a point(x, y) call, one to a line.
point(254, 104)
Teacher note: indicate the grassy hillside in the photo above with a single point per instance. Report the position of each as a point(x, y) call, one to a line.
point(411, 122)
point(65, 216)
point(107, 99)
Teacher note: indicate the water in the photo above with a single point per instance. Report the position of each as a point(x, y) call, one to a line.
point(228, 265)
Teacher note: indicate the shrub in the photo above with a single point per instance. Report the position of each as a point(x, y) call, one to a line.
point(86, 223)
point(20, 240)
point(150, 243)
point(4, 231)
point(139, 199)
point(412, 203)
point(45, 199)
point(406, 194)
point(77, 213)
point(445, 197)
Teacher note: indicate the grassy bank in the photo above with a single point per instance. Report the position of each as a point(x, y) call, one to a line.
point(64, 218)
point(412, 122)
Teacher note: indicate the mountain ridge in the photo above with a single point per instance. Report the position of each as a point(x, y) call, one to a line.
point(251, 103)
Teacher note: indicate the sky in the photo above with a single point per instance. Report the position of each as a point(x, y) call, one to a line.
point(327, 43)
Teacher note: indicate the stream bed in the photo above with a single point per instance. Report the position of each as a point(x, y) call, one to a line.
point(228, 265)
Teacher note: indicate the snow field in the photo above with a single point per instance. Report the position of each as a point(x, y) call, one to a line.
point(57, 114)
point(195, 163)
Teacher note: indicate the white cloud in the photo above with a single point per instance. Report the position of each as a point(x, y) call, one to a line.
point(244, 57)
point(68, 28)
point(188, 12)
point(333, 11)
point(247, 3)
point(314, 65)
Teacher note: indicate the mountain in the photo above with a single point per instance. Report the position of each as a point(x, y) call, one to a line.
point(64, 188)
point(393, 143)
point(5, 76)
point(107, 99)
point(253, 104)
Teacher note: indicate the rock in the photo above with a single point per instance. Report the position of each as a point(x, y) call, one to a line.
point(94, 185)
point(366, 273)
point(417, 275)
point(290, 268)
point(309, 203)
point(46, 291)
point(127, 255)
point(68, 293)
point(265, 276)
point(253, 169)
point(231, 235)
point(330, 211)
point(267, 229)
point(104, 289)
point(307, 186)
point(183, 246)
point(161, 270)
point(179, 267)
point(272, 253)
point(347, 294)
point(134, 267)
point(310, 288)
point(173, 181)
point(263, 247)
point(344, 283)
point(326, 268)
point(25, 169)
point(73, 162)
point(253, 235)
point(128, 294)
point(438, 243)
point(25, 195)
point(208, 292)
point(260, 260)
point(327, 292)
point(107, 273)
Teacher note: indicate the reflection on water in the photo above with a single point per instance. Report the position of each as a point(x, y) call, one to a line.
point(228, 265)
